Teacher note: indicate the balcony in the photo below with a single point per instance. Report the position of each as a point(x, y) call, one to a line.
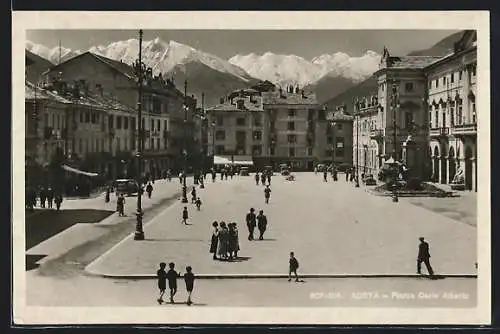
point(439, 132)
point(376, 133)
point(465, 130)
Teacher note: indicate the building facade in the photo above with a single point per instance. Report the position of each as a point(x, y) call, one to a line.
point(291, 118)
point(337, 140)
point(393, 117)
point(269, 126)
point(451, 83)
point(236, 126)
point(166, 134)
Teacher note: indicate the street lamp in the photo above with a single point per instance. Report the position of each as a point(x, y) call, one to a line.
point(184, 150)
point(213, 143)
point(356, 114)
point(395, 106)
point(333, 124)
point(203, 121)
point(139, 70)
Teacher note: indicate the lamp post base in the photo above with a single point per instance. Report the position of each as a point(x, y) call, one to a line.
point(139, 233)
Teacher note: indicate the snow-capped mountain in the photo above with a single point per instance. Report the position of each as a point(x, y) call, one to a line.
point(291, 69)
point(217, 77)
point(54, 55)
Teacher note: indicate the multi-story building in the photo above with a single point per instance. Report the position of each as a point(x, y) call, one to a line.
point(395, 117)
point(166, 134)
point(236, 127)
point(452, 119)
point(337, 139)
point(267, 127)
point(291, 118)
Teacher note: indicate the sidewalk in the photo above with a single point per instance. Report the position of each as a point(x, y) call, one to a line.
point(335, 229)
point(80, 233)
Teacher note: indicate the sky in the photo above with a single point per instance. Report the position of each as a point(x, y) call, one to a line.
point(227, 43)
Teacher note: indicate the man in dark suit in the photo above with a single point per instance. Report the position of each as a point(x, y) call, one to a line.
point(424, 256)
point(261, 224)
point(251, 223)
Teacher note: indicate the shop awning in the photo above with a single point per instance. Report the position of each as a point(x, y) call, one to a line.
point(77, 171)
point(237, 160)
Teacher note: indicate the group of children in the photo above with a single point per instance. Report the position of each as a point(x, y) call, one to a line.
point(171, 276)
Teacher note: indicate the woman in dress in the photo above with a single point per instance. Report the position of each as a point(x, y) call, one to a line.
point(215, 239)
point(223, 241)
point(234, 240)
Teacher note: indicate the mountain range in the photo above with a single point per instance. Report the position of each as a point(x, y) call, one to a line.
point(327, 75)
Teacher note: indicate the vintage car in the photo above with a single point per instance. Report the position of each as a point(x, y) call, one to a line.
point(244, 171)
point(127, 187)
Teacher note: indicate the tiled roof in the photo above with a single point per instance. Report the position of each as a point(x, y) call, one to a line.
point(122, 67)
point(289, 98)
point(227, 106)
point(96, 101)
point(338, 116)
point(411, 62)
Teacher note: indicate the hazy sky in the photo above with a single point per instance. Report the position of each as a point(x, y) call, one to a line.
point(227, 43)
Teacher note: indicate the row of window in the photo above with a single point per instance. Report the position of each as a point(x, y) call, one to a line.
point(99, 145)
point(456, 116)
point(240, 121)
point(120, 122)
point(241, 135)
point(54, 120)
point(339, 152)
point(454, 76)
point(257, 151)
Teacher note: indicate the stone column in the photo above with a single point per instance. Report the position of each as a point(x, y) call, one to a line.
point(474, 174)
point(465, 97)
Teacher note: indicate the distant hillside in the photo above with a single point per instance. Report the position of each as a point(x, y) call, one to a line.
point(329, 86)
point(441, 48)
point(367, 87)
point(39, 66)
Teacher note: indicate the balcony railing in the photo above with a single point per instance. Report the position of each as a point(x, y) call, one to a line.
point(438, 132)
point(465, 129)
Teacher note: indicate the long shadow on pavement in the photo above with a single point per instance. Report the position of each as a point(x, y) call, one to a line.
point(47, 223)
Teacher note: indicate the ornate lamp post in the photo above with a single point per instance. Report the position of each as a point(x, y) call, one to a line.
point(356, 114)
point(213, 143)
point(139, 70)
point(203, 123)
point(395, 106)
point(184, 150)
point(333, 124)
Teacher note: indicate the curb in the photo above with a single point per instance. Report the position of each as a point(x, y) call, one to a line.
point(270, 276)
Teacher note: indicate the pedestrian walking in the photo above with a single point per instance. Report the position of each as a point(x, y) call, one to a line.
point(251, 223)
point(172, 281)
point(347, 175)
point(267, 193)
point(149, 189)
point(43, 197)
point(223, 242)
point(58, 200)
point(120, 204)
point(161, 274)
point(293, 266)
point(263, 178)
point(198, 204)
point(50, 197)
point(335, 175)
point(325, 175)
point(315, 170)
point(234, 245)
point(189, 280)
point(215, 239)
point(193, 195)
point(424, 256)
point(214, 175)
point(257, 178)
point(106, 197)
point(269, 179)
point(185, 215)
point(261, 224)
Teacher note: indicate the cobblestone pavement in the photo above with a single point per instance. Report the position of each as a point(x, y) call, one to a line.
point(334, 228)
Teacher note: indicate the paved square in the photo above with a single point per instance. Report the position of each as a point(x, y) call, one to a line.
point(334, 229)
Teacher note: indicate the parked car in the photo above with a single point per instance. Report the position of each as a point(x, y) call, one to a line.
point(244, 171)
point(127, 187)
